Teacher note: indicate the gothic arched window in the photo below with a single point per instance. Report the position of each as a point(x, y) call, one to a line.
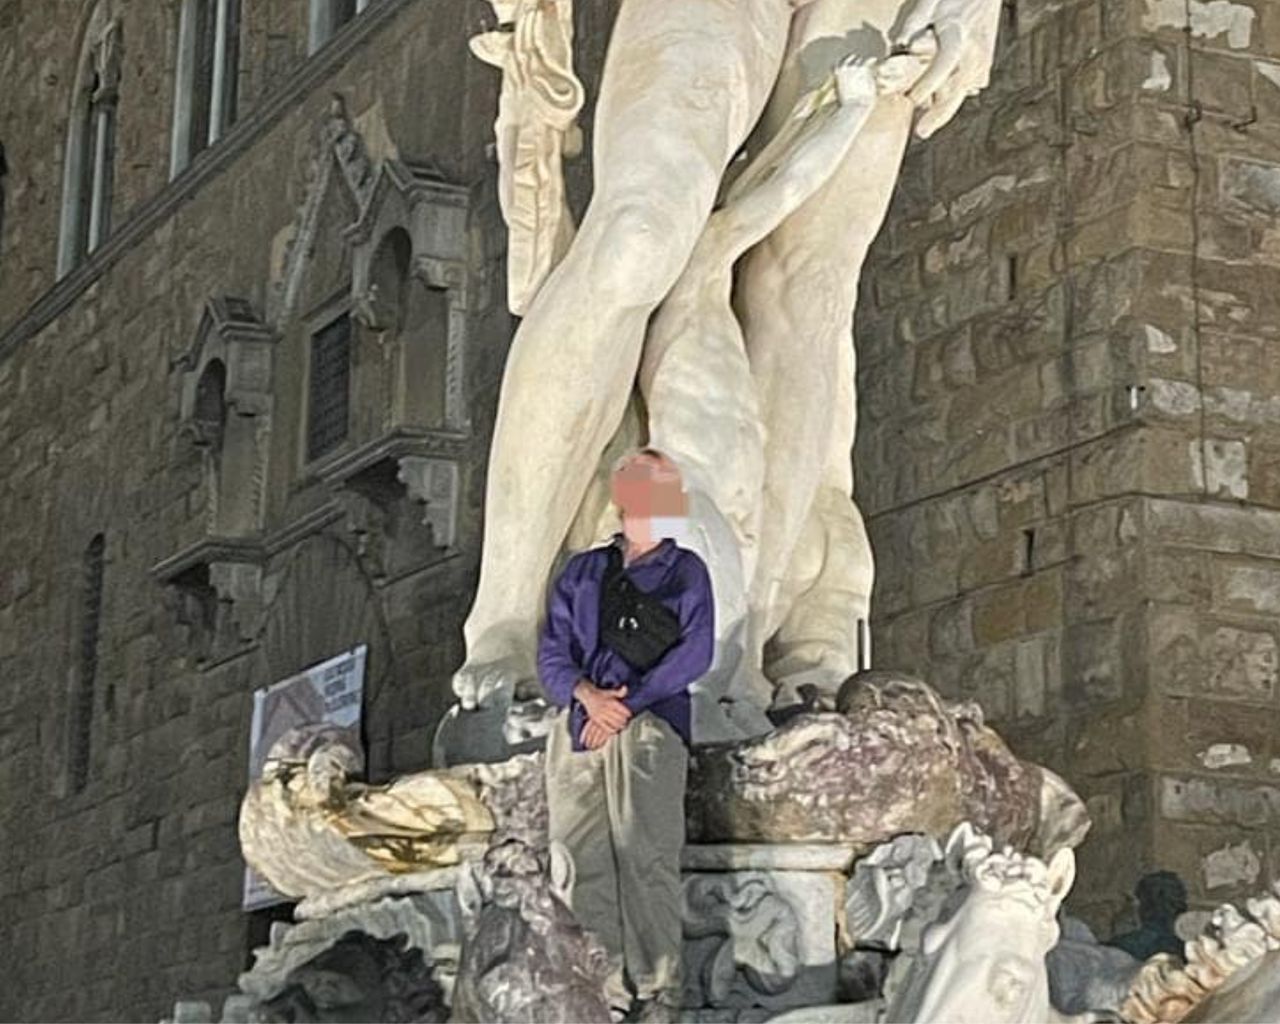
point(89, 159)
point(205, 86)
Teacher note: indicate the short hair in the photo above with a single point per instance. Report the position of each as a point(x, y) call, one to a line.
point(652, 453)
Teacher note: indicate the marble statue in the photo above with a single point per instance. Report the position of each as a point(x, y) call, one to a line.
point(796, 295)
point(361, 978)
point(306, 826)
point(985, 963)
point(525, 957)
point(696, 380)
point(536, 128)
point(1231, 973)
point(684, 86)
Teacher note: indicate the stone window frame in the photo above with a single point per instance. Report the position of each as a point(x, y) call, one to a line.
point(326, 18)
point(322, 315)
point(213, 110)
point(89, 155)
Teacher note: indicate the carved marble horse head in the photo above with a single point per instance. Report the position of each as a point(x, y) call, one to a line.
point(986, 963)
point(524, 955)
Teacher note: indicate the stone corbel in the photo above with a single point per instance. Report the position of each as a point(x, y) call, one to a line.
point(380, 486)
point(216, 587)
point(434, 484)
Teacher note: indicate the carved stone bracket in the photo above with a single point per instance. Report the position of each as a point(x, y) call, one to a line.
point(434, 484)
point(216, 585)
point(390, 489)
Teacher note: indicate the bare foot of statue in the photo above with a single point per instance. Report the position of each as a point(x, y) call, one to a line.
point(498, 670)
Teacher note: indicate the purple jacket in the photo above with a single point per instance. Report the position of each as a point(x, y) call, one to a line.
point(569, 647)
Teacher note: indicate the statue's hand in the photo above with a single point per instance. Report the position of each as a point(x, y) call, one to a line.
point(899, 72)
point(966, 35)
point(856, 81)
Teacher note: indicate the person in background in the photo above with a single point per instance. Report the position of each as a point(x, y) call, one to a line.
point(629, 627)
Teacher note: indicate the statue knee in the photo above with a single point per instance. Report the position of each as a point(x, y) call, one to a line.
point(638, 255)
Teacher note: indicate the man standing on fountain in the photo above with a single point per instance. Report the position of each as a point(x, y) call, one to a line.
point(630, 626)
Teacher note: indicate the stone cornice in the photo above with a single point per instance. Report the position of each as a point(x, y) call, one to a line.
point(207, 165)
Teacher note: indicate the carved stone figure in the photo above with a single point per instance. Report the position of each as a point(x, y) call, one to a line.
point(524, 956)
point(884, 888)
point(894, 758)
point(422, 923)
point(1232, 971)
point(897, 759)
point(697, 384)
point(536, 127)
point(985, 963)
point(682, 87)
point(797, 291)
point(305, 826)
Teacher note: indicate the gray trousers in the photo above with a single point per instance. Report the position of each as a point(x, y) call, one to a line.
point(619, 811)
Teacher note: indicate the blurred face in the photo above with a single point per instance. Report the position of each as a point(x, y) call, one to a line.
point(650, 494)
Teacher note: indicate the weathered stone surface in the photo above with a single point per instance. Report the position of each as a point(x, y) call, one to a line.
point(525, 957)
point(1085, 975)
point(894, 758)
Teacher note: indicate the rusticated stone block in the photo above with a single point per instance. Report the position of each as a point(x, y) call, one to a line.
point(1252, 588)
point(1243, 663)
point(1202, 801)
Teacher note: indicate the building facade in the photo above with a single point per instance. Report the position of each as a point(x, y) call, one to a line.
point(252, 326)
point(1067, 454)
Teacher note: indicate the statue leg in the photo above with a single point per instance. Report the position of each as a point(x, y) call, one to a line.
point(797, 293)
point(683, 83)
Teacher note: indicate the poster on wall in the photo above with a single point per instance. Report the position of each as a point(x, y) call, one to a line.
point(330, 693)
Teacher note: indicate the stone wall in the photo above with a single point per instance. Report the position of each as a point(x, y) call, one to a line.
point(1066, 450)
point(116, 896)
